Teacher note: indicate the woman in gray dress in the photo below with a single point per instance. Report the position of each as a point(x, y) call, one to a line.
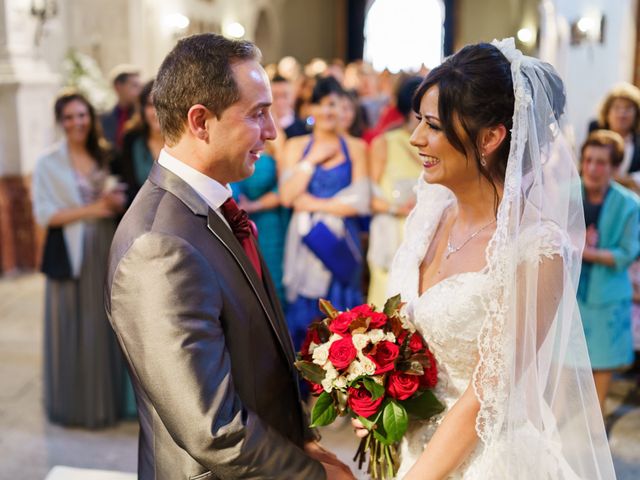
point(76, 201)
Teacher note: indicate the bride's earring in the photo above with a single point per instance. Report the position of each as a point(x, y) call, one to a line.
point(483, 160)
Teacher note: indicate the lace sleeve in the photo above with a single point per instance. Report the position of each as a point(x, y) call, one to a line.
point(542, 241)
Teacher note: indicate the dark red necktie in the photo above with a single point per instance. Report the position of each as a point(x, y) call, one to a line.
point(244, 230)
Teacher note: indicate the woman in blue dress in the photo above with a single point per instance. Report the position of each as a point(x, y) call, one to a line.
point(258, 196)
point(605, 291)
point(324, 180)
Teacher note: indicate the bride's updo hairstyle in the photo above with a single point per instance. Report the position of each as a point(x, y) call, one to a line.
point(476, 88)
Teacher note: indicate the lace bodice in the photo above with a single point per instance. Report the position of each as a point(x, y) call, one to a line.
point(449, 316)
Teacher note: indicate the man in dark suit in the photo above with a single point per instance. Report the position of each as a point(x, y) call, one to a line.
point(189, 296)
point(126, 84)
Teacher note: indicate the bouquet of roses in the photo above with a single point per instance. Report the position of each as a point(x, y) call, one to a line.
point(375, 367)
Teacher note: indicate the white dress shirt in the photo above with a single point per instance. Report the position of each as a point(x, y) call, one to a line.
point(211, 191)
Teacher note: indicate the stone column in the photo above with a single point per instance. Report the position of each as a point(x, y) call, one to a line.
point(27, 89)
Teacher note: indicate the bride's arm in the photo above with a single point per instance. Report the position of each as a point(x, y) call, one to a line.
point(452, 443)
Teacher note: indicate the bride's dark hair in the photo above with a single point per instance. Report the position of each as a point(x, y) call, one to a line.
point(476, 88)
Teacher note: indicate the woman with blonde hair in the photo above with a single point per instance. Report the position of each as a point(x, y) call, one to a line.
point(620, 113)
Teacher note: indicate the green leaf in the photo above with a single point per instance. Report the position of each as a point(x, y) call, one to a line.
point(368, 424)
point(375, 389)
point(392, 305)
point(424, 406)
point(395, 421)
point(324, 411)
point(327, 308)
point(310, 371)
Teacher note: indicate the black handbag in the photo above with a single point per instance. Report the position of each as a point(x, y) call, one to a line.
point(55, 258)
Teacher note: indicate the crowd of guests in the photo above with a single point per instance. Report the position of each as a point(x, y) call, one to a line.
point(329, 198)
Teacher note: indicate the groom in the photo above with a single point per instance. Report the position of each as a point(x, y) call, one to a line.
point(188, 293)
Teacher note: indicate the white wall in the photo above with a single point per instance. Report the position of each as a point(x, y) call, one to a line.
point(592, 69)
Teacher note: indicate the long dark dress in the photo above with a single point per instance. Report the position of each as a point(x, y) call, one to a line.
point(83, 369)
point(325, 183)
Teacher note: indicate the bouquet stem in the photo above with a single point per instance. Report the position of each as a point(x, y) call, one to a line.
point(382, 457)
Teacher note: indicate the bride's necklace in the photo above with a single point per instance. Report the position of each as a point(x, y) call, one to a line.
point(451, 249)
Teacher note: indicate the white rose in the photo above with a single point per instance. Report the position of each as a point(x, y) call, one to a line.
point(331, 372)
point(321, 354)
point(376, 335)
point(368, 365)
point(355, 370)
point(330, 375)
point(341, 383)
point(312, 347)
point(360, 341)
point(391, 337)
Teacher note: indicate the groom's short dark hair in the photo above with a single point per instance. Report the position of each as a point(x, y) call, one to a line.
point(198, 71)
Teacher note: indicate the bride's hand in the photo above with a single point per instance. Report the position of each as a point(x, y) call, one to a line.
point(359, 428)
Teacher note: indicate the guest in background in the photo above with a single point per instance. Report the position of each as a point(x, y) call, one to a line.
point(352, 116)
point(302, 105)
point(75, 201)
point(258, 196)
point(142, 143)
point(324, 179)
point(605, 291)
point(126, 83)
point(394, 167)
point(283, 111)
point(620, 112)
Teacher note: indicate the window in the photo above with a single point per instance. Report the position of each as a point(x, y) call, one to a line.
point(404, 34)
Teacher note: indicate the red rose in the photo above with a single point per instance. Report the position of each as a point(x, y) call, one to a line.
point(360, 401)
point(378, 320)
point(402, 386)
point(430, 377)
point(312, 337)
point(385, 356)
point(341, 323)
point(402, 336)
point(362, 310)
point(415, 343)
point(316, 389)
point(342, 352)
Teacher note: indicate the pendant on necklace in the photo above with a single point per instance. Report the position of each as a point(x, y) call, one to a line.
point(450, 250)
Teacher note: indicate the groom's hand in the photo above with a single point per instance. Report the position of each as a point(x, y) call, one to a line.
point(332, 465)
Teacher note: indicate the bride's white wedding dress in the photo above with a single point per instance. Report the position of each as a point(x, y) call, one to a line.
point(450, 315)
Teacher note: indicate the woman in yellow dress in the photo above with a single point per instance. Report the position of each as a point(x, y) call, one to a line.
point(395, 167)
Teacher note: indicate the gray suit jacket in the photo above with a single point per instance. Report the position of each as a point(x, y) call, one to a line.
point(206, 343)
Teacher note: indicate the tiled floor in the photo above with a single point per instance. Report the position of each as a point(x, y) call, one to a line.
point(30, 447)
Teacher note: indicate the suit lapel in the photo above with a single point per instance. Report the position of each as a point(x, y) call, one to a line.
point(167, 180)
point(230, 242)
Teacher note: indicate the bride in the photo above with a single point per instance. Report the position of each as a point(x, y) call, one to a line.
point(489, 268)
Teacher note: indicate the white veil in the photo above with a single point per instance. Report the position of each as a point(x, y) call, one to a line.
point(539, 415)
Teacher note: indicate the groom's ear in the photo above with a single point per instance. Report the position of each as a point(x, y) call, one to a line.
point(197, 118)
point(491, 138)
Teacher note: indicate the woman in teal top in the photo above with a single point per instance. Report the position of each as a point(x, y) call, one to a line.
point(258, 196)
point(612, 214)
